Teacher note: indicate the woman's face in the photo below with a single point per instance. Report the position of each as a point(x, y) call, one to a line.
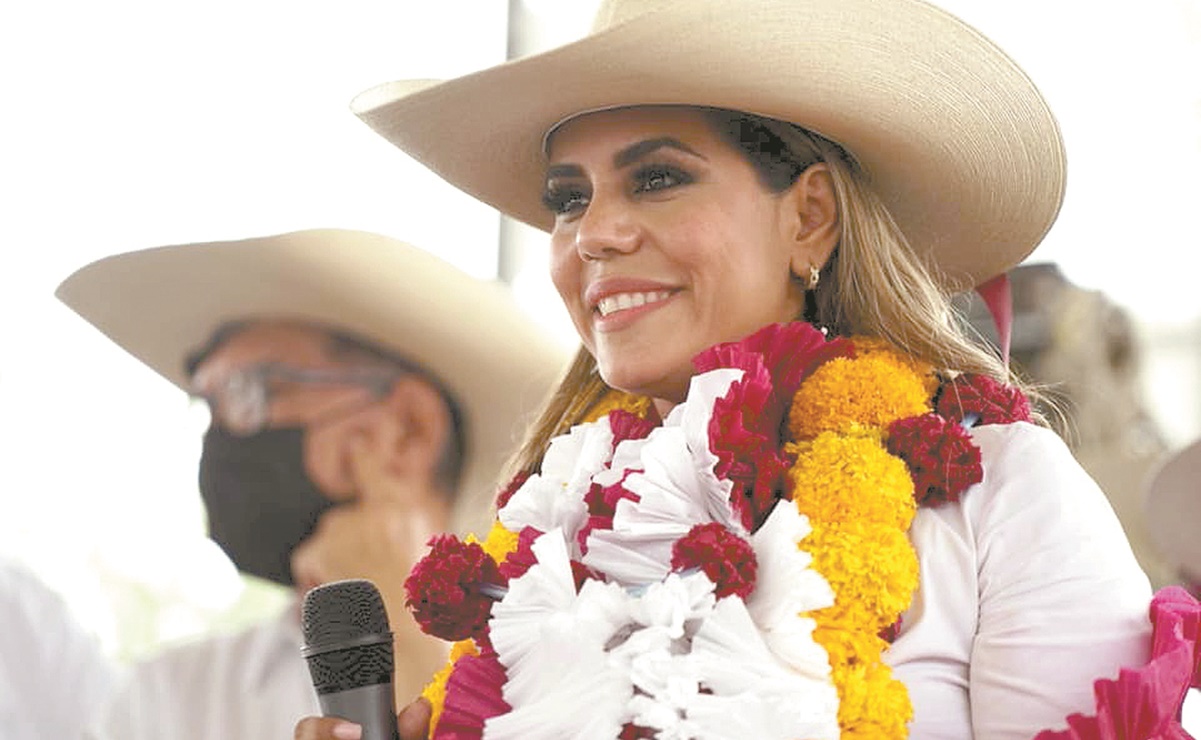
point(665, 243)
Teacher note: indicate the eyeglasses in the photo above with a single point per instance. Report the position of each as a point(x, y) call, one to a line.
point(241, 400)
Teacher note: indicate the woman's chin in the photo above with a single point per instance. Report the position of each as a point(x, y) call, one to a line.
point(661, 386)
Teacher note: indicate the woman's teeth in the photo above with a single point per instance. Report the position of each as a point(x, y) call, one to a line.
point(622, 301)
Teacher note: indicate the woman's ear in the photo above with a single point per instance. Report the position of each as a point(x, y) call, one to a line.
point(812, 219)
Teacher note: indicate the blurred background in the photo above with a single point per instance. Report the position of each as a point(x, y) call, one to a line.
point(131, 124)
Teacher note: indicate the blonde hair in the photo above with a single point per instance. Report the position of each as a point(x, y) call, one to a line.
point(873, 285)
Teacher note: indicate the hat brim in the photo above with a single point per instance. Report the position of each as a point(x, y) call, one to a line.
point(161, 304)
point(956, 139)
point(1174, 509)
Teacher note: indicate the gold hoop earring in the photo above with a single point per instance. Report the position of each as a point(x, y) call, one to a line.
point(815, 276)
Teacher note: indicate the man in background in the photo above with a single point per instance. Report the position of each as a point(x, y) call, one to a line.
point(363, 397)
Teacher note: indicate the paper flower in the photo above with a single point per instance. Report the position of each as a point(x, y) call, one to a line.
point(725, 557)
point(444, 588)
point(979, 395)
point(940, 454)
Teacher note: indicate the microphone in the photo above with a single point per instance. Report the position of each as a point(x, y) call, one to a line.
point(348, 646)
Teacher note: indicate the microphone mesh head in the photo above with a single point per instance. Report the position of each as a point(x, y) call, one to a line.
point(341, 611)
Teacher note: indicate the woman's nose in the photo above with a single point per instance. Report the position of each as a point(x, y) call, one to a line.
point(606, 229)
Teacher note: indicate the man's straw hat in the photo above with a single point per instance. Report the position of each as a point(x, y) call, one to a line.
point(162, 304)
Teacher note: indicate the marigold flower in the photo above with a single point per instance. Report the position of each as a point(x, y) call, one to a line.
point(726, 558)
point(499, 543)
point(940, 454)
point(993, 402)
point(843, 478)
point(874, 704)
point(854, 395)
point(867, 345)
point(872, 569)
point(615, 399)
point(443, 589)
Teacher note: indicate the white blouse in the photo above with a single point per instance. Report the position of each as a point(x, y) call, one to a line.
point(1029, 592)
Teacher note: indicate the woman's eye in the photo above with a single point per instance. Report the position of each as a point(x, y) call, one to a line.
point(659, 177)
point(563, 200)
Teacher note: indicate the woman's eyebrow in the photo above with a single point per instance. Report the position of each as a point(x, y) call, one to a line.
point(627, 156)
point(637, 151)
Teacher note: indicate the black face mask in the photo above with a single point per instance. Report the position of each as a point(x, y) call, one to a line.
point(260, 502)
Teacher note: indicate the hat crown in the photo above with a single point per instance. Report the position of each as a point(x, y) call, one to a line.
point(615, 12)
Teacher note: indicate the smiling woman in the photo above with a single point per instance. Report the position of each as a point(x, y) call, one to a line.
point(681, 219)
point(780, 493)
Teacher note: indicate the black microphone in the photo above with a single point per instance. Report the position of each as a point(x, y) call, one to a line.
point(348, 647)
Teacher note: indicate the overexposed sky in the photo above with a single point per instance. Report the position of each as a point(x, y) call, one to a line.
point(135, 123)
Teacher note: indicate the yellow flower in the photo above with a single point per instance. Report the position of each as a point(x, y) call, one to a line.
point(872, 703)
point(847, 645)
point(859, 500)
point(499, 544)
point(616, 399)
point(872, 570)
point(868, 345)
point(855, 395)
point(435, 690)
point(841, 478)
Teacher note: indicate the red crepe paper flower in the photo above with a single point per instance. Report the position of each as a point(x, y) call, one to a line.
point(940, 454)
point(626, 425)
point(725, 557)
point(1145, 703)
point(443, 589)
point(507, 492)
point(993, 402)
point(473, 695)
point(602, 505)
point(522, 559)
point(790, 353)
point(745, 430)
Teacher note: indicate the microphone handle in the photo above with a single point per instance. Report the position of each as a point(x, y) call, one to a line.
point(372, 707)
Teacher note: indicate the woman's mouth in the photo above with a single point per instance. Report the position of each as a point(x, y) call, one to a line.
point(611, 304)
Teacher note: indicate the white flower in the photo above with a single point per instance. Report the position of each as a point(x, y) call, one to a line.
point(746, 680)
point(561, 682)
point(676, 488)
point(785, 586)
point(555, 497)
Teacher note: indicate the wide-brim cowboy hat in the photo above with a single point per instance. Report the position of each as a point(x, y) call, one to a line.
point(1173, 508)
point(955, 137)
point(164, 303)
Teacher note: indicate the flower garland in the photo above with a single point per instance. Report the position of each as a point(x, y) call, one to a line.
point(645, 583)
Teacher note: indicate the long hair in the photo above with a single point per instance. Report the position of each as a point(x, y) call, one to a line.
point(872, 285)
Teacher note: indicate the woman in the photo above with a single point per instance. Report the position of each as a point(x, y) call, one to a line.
point(778, 494)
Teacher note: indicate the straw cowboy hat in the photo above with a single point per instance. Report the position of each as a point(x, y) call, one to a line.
point(1174, 510)
point(162, 304)
point(955, 137)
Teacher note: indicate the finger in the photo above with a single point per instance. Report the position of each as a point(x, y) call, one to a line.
point(327, 728)
point(414, 720)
